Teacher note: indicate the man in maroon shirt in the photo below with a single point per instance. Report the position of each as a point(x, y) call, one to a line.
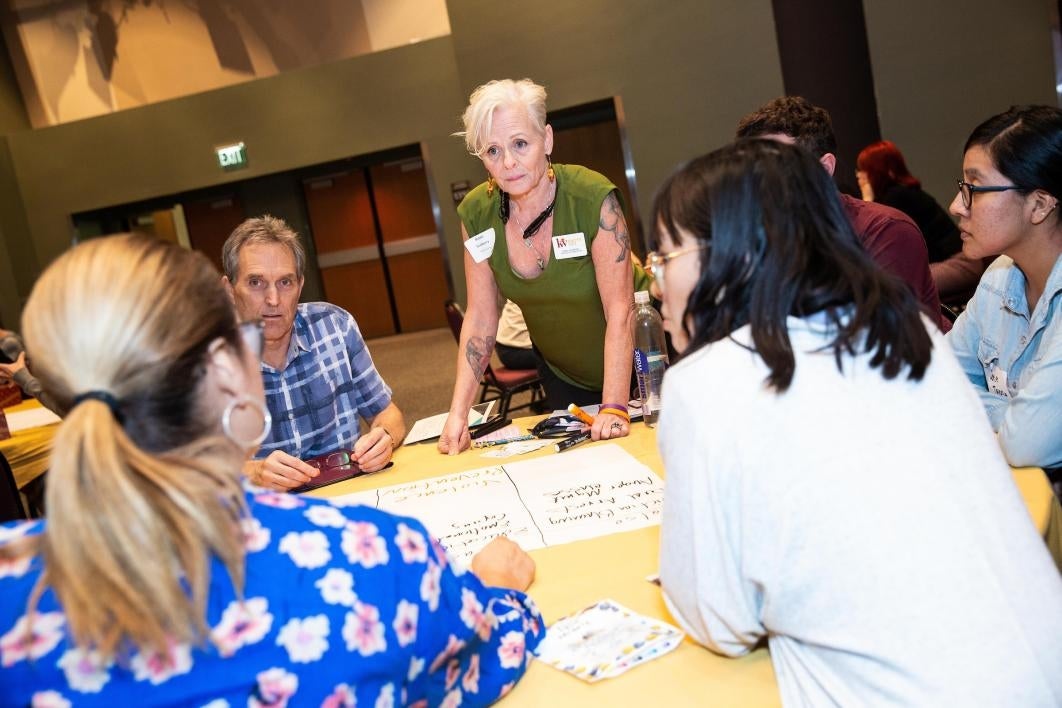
point(888, 235)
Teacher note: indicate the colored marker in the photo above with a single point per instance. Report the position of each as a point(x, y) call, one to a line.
point(580, 414)
point(572, 441)
point(506, 441)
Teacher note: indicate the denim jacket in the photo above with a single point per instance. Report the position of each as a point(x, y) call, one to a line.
point(1014, 358)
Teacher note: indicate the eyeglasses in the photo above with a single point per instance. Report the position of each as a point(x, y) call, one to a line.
point(252, 333)
point(967, 191)
point(655, 262)
point(333, 461)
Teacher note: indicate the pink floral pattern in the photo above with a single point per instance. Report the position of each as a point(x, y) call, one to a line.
point(49, 699)
point(326, 516)
point(308, 549)
point(342, 696)
point(363, 544)
point(405, 624)
point(452, 700)
point(411, 630)
point(14, 567)
point(86, 670)
point(280, 501)
point(453, 648)
point(275, 687)
point(242, 624)
point(337, 587)
point(412, 544)
point(430, 587)
point(159, 667)
point(416, 666)
point(511, 651)
point(472, 614)
point(386, 699)
point(306, 640)
point(470, 681)
point(363, 630)
point(31, 638)
point(255, 536)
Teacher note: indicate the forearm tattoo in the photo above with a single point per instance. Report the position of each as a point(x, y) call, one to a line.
point(612, 221)
point(477, 352)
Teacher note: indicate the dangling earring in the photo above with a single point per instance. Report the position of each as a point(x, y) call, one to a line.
point(490, 186)
point(550, 174)
point(226, 421)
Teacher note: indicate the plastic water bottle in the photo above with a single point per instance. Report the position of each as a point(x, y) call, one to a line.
point(650, 356)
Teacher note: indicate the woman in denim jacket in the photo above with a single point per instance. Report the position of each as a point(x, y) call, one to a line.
point(1009, 339)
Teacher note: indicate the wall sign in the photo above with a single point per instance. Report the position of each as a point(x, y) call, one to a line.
point(232, 157)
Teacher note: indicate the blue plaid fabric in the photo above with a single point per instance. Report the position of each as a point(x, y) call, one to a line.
point(327, 383)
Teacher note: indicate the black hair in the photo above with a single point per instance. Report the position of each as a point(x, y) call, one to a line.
point(1025, 144)
point(780, 244)
point(809, 125)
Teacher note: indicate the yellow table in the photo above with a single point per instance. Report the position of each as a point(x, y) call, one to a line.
point(575, 575)
point(28, 451)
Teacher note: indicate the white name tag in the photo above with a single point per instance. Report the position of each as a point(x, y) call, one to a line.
point(481, 245)
point(997, 382)
point(569, 245)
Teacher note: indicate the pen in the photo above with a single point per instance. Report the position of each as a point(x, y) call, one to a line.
point(572, 441)
point(580, 414)
point(492, 443)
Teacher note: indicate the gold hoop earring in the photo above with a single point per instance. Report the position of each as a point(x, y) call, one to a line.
point(490, 186)
point(550, 174)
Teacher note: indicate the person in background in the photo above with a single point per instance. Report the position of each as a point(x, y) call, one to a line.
point(813, 501)
point(513, 344)
point(15, 370)
point(890, 237)
point(884, 178)
point(1009, 338)
point(320, 381)
point(175, 586)
point(553, 239)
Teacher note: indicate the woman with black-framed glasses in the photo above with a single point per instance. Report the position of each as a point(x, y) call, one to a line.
point(1009, 340)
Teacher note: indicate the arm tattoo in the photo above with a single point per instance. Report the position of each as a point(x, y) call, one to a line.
point(477, 352)
point(612, 220)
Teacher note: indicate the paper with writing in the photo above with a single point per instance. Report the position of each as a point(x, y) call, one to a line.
point(537, 503)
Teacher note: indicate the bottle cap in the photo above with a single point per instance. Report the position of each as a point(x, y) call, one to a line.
point(641, 297)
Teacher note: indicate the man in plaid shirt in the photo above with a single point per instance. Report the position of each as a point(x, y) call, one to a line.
point(318, 375)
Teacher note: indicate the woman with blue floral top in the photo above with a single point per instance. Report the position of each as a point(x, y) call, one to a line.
point(158, 580)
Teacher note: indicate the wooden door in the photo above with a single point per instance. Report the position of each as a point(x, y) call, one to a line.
point(347, 253)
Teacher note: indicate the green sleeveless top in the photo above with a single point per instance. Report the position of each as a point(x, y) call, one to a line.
point(561, 306)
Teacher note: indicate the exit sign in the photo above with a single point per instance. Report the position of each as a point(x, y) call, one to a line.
point(232, 157)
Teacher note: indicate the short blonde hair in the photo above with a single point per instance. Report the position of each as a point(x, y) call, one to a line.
point(479, 116)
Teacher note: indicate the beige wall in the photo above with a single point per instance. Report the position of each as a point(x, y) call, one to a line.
point(686, 71)
point(940, 68)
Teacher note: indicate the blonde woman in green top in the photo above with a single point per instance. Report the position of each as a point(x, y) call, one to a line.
point(553, 239)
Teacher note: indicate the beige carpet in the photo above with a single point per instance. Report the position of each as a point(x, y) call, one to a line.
point(420, 369)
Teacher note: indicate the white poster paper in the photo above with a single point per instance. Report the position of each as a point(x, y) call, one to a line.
point(542, 502)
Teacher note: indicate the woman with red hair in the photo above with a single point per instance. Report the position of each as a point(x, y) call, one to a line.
point(884, 178)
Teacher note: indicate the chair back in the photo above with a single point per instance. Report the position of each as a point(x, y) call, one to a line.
point(455, 318)
point(11, 508)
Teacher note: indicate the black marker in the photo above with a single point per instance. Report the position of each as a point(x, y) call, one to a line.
point(489, 427)
point(572, 441)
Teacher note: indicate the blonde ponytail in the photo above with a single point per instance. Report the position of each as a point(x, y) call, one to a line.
point(136, 511)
